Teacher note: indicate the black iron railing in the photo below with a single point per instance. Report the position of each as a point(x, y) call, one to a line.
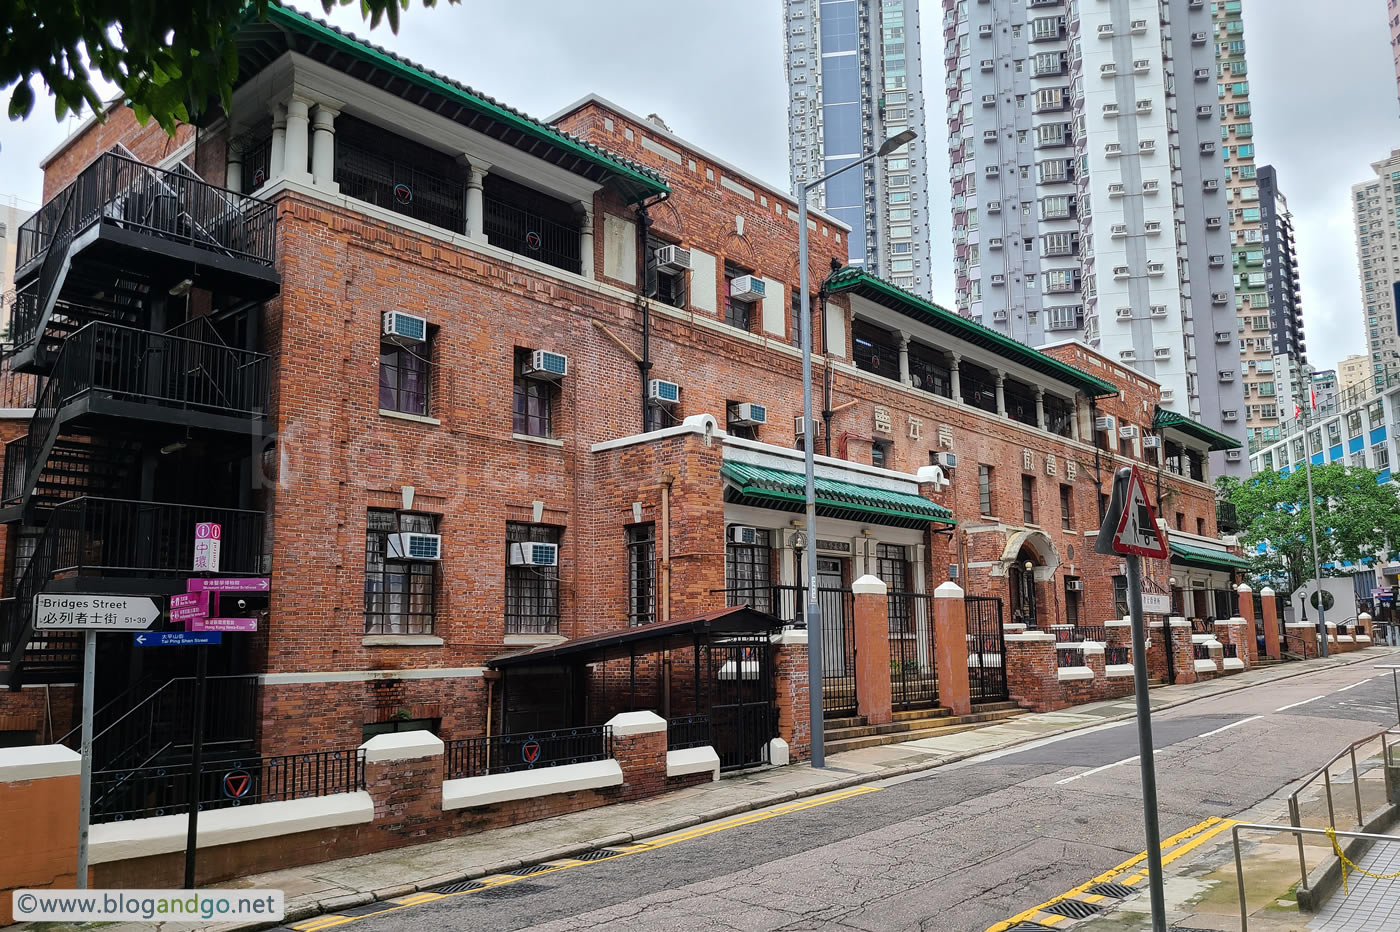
point(402, 187)
point(1227, 517)
point(1230, 650)
point(1069, 657)
point(986, 648)
point(477, 757)
point(1201, 651)
point(1203, 625)
point(911, 641)
point(1077, 634)
point(140, 792)
point(1117, 655)
point(526, 233)
point(688, 731)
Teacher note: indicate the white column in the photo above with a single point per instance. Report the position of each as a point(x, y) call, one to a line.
point(277, 155)
point(585, 240)
point(323, 147)
point(955, 371)
point(298, 141)
point(1000, 377)
point(233, 168)
point(1040, 408)
point(1074, 418)
point(476, 210)
point(904, 359)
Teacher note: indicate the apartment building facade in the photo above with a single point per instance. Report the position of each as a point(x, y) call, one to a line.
point(1087, 187)
point(1376, 215)
point(855, 78)
point(1284, 320)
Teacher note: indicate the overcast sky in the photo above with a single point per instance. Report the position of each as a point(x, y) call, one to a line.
point(1323, 90)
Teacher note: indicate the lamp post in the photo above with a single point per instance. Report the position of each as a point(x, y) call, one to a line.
point(1312, 516)
point(813, 615)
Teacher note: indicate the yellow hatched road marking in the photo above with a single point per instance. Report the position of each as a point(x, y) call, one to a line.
point(414, 898)
point(322, 922)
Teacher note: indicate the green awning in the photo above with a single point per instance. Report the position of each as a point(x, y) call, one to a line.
point(857, 280)
point(1204, 558)
point(1194, 429)
point(786, 491)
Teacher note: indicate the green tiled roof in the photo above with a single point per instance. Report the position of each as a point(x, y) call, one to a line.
point(284, 29)
point(778, 488)
point(856, 279)
point(1205, 558)
point(1195, 429)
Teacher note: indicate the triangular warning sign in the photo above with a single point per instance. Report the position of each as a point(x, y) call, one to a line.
point(1138, 532)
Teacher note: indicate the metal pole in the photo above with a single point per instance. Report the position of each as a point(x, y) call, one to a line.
point(85, 780)
point(1239, 876)
point(817, 715)
point(1312, 519)
point(201, 679)
point(1356, 784)
point(1145, 758)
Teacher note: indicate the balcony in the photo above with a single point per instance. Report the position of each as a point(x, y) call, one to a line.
point(531, 224)
point(1226, 517)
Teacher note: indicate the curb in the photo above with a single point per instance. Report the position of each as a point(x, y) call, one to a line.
point(296, 914)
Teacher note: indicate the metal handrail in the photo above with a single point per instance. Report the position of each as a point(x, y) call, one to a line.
point(1297, 831)
point(1294, 811)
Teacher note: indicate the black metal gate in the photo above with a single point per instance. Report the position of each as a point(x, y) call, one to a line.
point(986, 649)
point(912, 677)
point(743, 715)
point(838, 649)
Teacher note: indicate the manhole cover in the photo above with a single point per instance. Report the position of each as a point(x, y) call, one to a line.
point(532, 869)
point(1118, 891)
point(1073, 909)
point(598, 855)
point(461, 886)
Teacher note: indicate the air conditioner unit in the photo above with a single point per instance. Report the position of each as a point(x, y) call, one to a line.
point(747, 288)
point(988, 64)
point(1219, 297)
point(1212, 223)
point(989, 100)
point(1198, 38)
point(1123, 313)
point(1151, 443)
point(984, 31)
point(1108, 70)
point(414, 547)
point(1156, 268)
point(1202, 74)
point(1128, 355)
point(1229, 414)
point(993, 171)
point(663, 392)
point(1104, 422)
point(989, 135)
point(1144, 105)
point(1210, 184)
point(546, 365)
point(1138, 26)
point(999, 315)
point(742, 534)
point(1150, 186)
point(1128, 432)
point(1159, 310)
point(1162, 352)
point(1204, 111)
point(1106, 29)
point(1147, 145)
point(994, 242)
point(947, 460)
point(1152, 226)
point(404, 329)
point(1223, 337)
point(799, 427)
point(1116, 190)
point(1217, 261)
point(1119, 230)
point(994, 207)
point(673, 258)
point(530, 553)
point(1227, 375)
point(1112, 149)
point(1168, 394)
point(998, 279)
point(1233, 456)
point(1074, 585)
point(1120, 271)
point(1110, 110)
point(748, 414)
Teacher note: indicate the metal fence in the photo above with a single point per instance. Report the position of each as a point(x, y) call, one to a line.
point(140, 792)
point(1078, 634)
point(529, 234)
point(1200, 651)
point(688, 731)
point(1069, 657)
point(477, 757)
point(986, 649)
point(402, 187)
point(911, 642)
point(1117, 655)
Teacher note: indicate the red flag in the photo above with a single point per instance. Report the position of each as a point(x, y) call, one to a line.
point(1297, 410)
point(1312, 393)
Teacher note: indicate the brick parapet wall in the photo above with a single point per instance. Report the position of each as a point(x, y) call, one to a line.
point(793, 700)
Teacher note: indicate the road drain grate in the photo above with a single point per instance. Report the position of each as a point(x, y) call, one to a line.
point(1073, 909)
point(532, 869)
point(1029, 927)
point(1118, 891)
point(460, 886)
point(598, 855)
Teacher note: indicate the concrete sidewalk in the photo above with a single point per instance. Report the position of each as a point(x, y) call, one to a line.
point(338, 885)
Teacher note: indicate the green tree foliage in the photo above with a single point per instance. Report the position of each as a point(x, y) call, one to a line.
point(166, 57)
point(1356, 517)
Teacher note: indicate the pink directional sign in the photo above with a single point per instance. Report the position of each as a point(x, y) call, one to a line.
point(223, 624)
point(229, 584)
point(207, 544)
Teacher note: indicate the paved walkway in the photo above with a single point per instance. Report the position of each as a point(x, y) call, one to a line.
point(337, 885)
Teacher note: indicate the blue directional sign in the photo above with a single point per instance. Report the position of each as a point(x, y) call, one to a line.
point(177, 638)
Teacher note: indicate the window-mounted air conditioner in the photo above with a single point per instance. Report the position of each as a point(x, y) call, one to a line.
point(530, 553)
point(1151, 443)
point(1159, 310)
point(748, 414)
point(1104, 422)
point(673, 259)
point(546, 365)
point(663, 392)
point(416, 547)
point(747, 288)
point(799, 428)
point(1074, 585)
point(1128, 432)
point(1162, 352)
point(947, 460)
point(742, 534)
point(404, 329)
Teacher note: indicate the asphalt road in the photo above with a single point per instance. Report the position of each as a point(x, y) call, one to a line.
point(958, 848)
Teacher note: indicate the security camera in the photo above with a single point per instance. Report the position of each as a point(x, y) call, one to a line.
point(242, 604)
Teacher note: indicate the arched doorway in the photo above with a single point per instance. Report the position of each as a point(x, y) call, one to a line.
point(1030, 558)
point(1024, 607)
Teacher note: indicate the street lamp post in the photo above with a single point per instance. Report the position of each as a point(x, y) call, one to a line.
point(813, 616)
point(1312, 516)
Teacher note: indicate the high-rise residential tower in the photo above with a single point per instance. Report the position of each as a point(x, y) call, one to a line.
point(854, 80)
point(1353, 371)
point(1088, 194)
point(1282, 325)
point(1376, 207)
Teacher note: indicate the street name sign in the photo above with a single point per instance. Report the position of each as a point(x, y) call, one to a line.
point(177, 638)
point(86, 612)
point(1155, 603)
point(223, 624)
point(186, 606)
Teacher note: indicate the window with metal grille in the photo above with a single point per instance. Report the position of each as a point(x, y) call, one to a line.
point(1120, 596)
point(1028, 499)
point(737, 312)
point(532, 592)
point(1066, 506)
point(748, 572)
point(641, 574)
point(984, 489)
point(405, 374)
point(1072, 598)
point(892, 562)
point(533, 413)
point(399, 594)
point(880, 454)
point(670, 284)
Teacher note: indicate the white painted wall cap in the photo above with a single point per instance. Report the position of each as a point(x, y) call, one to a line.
point(636, 723)
point(468, 792)
point(1244, 587)
point(789, 637)
point(869, 585)
point(692, 760)
point(948, 590)
point(402, 745)
point(1267, 590)
point(38, 763)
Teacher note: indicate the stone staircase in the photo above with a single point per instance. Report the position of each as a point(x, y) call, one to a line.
point(852, 733)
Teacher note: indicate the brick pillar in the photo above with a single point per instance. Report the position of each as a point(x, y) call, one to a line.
point(1248, 634)
point(39, 812)
point(1179, 643)
point(1158, 643)
point(950, 648)
point(1095, 658)
point(403, 774)
point(872, 633)
point(794, 705)
point(1364, 638)
point(639, 747)
point(1272, 646)
point(1031, 671)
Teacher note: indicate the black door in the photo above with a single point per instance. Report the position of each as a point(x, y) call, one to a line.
point(986, 649)
point(742, 712)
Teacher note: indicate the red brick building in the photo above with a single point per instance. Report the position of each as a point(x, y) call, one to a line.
point(386, 371)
